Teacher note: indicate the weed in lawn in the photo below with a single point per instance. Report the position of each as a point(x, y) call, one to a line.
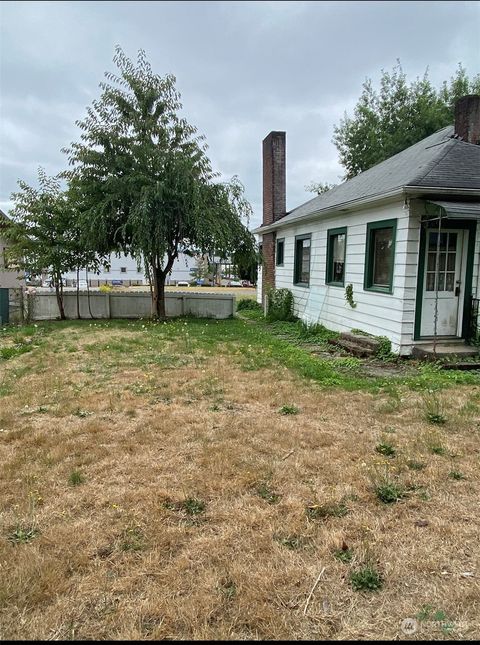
point(366, 578)
point(193, 506)
point(289, 409)
point(76, 478)
point(344, 555)
point(227, 588)
point(456, 474)
point(433, 408)
point(434, 445)
point(22, 534)
point(386, 487)
point(82, 414)
point(438, 450)
point(416, 465)
point(132, 539)
point(437, 617)
point(266, 493)
point(386, 449)
point(329, 509)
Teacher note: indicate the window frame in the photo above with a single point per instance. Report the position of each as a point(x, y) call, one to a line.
point(277, 263)
point(296, 272)
point(123, 269)
point(331, 233)
point(369, 256)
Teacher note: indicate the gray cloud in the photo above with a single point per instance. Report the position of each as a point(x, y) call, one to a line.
point(243, 68)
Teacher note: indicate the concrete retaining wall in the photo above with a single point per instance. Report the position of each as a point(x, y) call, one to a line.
point(135, 305)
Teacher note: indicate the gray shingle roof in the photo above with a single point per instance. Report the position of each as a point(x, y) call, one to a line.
point(438, 160)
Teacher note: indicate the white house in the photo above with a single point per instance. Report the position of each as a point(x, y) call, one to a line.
point(124, 270)
point(401, 239)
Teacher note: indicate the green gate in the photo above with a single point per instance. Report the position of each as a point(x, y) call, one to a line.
point(4, 306)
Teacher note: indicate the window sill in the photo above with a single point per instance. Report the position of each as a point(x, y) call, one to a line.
point(387, 290)
point(305, 285)
point(335, 284)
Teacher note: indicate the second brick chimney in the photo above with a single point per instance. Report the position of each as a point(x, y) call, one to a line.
point(274, 199)
point(467, 118)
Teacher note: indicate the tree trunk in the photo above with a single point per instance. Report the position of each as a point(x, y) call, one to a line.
point(159, 276)
point(159, 293)
point(59, 294)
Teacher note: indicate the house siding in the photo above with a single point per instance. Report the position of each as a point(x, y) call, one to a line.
point(8, 279)
point(390, 315)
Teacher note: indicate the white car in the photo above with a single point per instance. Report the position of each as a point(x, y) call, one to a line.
point(182, 283)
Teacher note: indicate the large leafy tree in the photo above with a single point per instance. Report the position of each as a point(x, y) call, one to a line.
point(146, 182)
point(399, 114)
point(41, 234)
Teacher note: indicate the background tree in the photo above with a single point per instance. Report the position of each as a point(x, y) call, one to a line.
point(40, 232)
point(319, 187)
point(146, 181)
point(387, 121)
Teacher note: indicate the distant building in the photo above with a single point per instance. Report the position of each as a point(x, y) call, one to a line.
point(9, 279)
point(124, 270)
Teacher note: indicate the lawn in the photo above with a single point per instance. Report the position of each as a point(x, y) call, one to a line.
point(216, 480)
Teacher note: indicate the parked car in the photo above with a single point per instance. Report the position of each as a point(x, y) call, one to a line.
point(247, 283)
point(234, 283)
point(182, 283)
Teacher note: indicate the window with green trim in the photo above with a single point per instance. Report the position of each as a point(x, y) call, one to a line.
point(336, 248)
point(302, 260)
point(380, 256)
point(280, 252)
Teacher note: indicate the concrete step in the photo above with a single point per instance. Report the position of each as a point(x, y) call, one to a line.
point(362, 351)
point(359, 339)
point(451, 351)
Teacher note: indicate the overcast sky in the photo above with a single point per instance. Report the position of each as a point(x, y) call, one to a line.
point(243, 69)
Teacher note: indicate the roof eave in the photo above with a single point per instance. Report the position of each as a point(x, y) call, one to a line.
point(429, 190)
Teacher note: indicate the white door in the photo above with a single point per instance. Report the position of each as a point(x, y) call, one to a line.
point(443, 282)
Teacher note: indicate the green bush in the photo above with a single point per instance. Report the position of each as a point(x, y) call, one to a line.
point(280, 305)
point(248, 303)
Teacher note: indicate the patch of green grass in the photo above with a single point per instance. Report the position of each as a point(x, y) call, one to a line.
point(22, 534)
point(388, 491)
point(457, 475)
point(366, 579)
point(386, 449)
point(15, 350)
point(289, 409)
point(344, 555)
point(267, 494)
point(76, 478)
point(329, 509)
point(416, 465)
point(433, 408)
point(193, 506)
point(132, 539)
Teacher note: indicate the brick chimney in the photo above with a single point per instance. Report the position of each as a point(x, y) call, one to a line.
point(274, 199)
point(467, 118)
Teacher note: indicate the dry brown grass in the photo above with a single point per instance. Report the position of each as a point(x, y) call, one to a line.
point(118, 556)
